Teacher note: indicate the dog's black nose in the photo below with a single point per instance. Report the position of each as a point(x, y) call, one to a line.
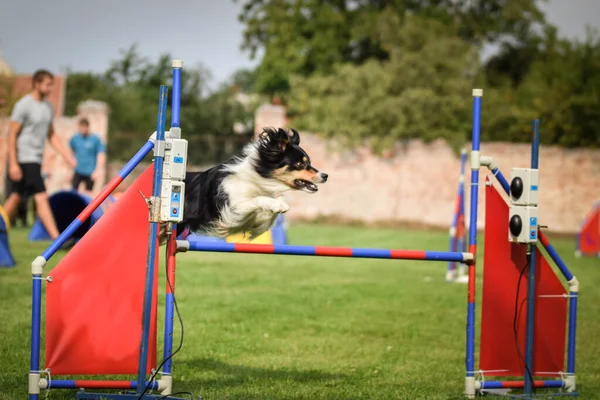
point(324, 176)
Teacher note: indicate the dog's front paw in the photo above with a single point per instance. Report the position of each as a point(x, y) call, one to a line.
point(282, 208)
point(276, 206)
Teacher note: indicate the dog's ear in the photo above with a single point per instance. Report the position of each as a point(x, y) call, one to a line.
point(283, 139)
point(274, 140)
point(294, 136)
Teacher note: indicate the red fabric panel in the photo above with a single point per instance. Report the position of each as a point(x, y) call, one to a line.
point(503, 262)
point(95, 300)
point(589, 237)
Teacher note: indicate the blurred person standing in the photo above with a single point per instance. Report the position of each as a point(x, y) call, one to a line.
point(90, 154)
point(31, 124)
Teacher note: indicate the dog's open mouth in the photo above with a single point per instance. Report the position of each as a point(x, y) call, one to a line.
point(306, 185)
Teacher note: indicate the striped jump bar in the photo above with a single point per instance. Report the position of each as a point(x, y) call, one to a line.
point(519, 384)
point(91, 384)
point(321, 251)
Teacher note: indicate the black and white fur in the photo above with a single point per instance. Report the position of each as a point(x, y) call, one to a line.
point(244, 194)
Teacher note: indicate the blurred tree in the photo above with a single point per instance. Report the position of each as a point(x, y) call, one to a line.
point(130, 87)
point(244, 80)
point(7, 99)
point(418, 93)
point(304, 37)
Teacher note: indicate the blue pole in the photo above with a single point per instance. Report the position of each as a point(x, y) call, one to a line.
point(554, 255)
point(158, 164)
point(176, 102)
point(36, 305)
point(496, 171)
point(530, 327)
point(476, 137)
point(462, 245)
point(572, 333)
point(170, 306)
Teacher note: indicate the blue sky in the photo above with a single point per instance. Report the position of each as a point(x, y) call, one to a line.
point(85, 35)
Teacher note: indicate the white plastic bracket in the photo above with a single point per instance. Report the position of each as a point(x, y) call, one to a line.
point(468, 258)
point(488, 161)
point(573, 285)
point(159, 148)
point(182, 246)
point(470, 386)
point(475, 159)
point(34, 383)
point(165, 385)
point(570, 383)
point(477, 92)
point(37, 266)
point(174, 133)
point(154, 209)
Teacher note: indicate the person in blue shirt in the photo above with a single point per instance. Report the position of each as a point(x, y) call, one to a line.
point(90, 154)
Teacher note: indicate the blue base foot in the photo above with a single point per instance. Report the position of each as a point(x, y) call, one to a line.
point(125, 396)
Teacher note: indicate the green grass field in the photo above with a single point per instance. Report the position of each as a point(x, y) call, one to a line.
point(279, 327)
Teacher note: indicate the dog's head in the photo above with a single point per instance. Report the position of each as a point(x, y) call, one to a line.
point(281, 158)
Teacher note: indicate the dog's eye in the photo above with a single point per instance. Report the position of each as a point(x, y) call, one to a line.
point(299, 165)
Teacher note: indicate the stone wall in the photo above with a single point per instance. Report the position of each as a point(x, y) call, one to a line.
point(59, 174)
point(417, 183)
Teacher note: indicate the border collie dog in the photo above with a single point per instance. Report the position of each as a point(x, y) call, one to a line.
point(244, 194)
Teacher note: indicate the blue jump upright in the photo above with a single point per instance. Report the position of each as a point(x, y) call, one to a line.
point(89, 213)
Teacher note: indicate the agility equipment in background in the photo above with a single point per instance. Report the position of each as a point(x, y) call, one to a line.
point(530, 341)
point(588, 236)
point(457, 272)
point(101, 319)
point(6, 258)
point(66, 205)
point(276, 235)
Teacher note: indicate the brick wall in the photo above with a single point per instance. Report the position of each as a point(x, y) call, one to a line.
point(417, 183)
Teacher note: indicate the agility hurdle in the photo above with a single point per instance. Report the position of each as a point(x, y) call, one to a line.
point(80, 330)
point(587, 242)
point(457, 272)
point(95, 296)
point(543, 342)
point(113, 339)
